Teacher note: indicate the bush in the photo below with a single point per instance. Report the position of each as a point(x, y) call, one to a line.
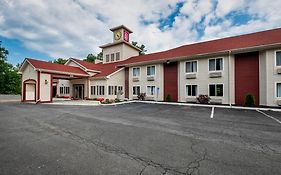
point(169, 98)
point(100, 99)
point(203, 99)
point(250, 100)
point(141, 96)
point(117, 100)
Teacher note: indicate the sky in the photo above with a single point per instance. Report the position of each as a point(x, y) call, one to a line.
point(74, 28)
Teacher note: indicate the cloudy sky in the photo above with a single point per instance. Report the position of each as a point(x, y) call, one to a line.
point(49, 29)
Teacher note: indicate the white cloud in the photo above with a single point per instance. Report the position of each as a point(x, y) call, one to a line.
point(74, 28)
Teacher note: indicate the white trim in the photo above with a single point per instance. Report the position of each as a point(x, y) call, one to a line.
point(190, 61)
point(214, 58)
point(275, 58)
point(108, 76)
point(275, 89)
point(133, 89)
point(61, 72)
point(186, 95)
point(133, 72)
point(223, 92)
point(83, 67)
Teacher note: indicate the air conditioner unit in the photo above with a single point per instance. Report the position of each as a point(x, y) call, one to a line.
point(135, 79)
point(190, 76)
point(151, 78)
point(278, 70)
point(278, 102)
point(215, 74)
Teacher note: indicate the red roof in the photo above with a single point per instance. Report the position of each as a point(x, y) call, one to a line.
point(232, 43)
point(55, 67)
point(105, 69)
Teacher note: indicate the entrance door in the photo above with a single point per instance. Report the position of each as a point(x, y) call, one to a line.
point(54, 91)
point(78, 91)
point(30, 92)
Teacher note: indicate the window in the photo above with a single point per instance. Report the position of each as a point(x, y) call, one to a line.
point(136, 90)
point(112, 57)
point(150, 90)
point(191, 90)
point(115, 90)
point(136, 72)
point(107, 58)
point(150, 70)
point(66, 90)
point(100, 90)
point(191, 66)
point(61, 90)
point(120, 89)
point(216, 90)
point(110, 91)
point(278, 90)
point(215, 64)
point(93, 90)
point(117, 56)
point(278, 58)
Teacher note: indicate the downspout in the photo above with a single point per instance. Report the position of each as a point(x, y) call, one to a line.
point(229, 82)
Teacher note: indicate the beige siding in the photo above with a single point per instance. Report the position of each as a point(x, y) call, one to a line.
point(129, 52)
point(64, 83)
point(112, 50)
point(45, 87)
point(143, 82)
point(202, 80)
point(29, 73)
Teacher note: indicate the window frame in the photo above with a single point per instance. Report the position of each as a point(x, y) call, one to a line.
point(277, 82)
point(133, 90)
point(186, 92)
point(275, 60)
point(112, 57)
point(117, 53)
point(216, 90)
point(191, 62)
point(216, 64)
point(154, 90)
point(107, 58)
point(139, 71)
point(154, 70)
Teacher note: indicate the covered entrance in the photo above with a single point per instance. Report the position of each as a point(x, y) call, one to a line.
point(78, 91)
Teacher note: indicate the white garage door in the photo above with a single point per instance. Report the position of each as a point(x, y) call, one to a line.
point(30, 92)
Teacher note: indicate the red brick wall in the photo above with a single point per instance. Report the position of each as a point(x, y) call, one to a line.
point(126, 82)
point(246, 77)
point(171, 80)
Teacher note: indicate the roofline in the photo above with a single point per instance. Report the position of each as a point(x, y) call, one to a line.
point(119, 27)
point(86, 69)
point(61, 72)
point(107, 76)
point(211, 54)
point(119, 42)
point(24, 61)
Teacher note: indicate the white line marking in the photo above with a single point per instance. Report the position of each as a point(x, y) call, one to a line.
point(269, 116)
point(212, 113)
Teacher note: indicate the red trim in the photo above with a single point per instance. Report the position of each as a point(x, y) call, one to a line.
point(126, 82)
point(246, 77)
point(24, 90)
point(51, 88)
point(38, 81)
point(171, 80)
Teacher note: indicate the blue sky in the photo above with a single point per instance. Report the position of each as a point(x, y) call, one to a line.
point(74, 28)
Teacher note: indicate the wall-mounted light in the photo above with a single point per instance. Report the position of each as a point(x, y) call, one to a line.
point(168, 61)
point(46, 81)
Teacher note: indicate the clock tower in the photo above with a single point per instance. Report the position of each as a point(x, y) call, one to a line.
point(121, 48)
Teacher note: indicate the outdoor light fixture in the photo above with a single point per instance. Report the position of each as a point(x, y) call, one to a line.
point(168, 61)
point(46, 81)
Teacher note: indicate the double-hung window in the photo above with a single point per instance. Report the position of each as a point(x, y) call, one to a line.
point(61, 90)
point(216, 64)
point(191, 67)
point(278, 58)
point(136, 90)
point(150, 90)
point(278, 90)
point(150, 71)
point(117, 56)
point(112, 57)
point(93, 90)
point(191, 90)
point(216, 90)
point(107, 58)
point(136, 72)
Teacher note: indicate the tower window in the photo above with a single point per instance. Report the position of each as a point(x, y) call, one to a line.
point(112, 57)
point(107, 58)
point(117, 56)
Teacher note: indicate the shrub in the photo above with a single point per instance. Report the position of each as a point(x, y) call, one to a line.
point(169, 98)
point(100, 99)
point(117, 100)
point(141, 96)
point(204, 99)
point(250, 100)
point(107, 100)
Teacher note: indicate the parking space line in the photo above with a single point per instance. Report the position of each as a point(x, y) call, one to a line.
point(212, 113)
point(269, 116)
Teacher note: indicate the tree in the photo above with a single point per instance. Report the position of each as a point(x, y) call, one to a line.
point(10, 81)
point(60, 61)
point(142, 47)
point(92, 58)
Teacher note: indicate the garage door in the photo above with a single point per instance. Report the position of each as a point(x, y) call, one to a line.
point(30, 92)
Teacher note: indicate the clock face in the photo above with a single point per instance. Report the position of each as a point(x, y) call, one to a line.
point(117, 35)
point(126, 36)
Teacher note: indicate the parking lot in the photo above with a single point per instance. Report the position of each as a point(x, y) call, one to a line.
point(137, 138)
